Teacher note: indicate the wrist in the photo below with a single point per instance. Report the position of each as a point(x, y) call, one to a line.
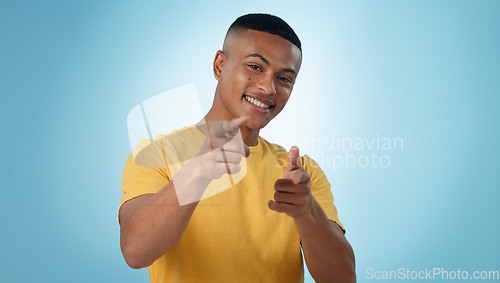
point(309, 216)
point(194, 170)
point(190, 184)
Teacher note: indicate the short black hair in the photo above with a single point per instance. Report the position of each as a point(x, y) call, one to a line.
point(266, 23)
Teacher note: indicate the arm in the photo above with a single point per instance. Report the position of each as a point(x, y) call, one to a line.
point(152, 224)
point(328, 255)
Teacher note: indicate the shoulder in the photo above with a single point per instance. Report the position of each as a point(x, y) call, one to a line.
point(153, 153)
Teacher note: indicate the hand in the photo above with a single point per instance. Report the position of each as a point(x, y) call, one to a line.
point(222, 150)
point(293, 192)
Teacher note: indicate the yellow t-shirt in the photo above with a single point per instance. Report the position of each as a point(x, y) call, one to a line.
point(232, 236)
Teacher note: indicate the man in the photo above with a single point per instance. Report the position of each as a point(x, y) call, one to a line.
point(176, 224)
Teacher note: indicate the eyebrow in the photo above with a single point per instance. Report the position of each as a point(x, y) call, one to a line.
point(267, 63)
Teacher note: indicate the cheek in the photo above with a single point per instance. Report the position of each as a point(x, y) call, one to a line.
point(247, 77)
point(282, 102)
point(284, 95)
point(238, 77)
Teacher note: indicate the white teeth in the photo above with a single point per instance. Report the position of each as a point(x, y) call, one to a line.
point(256, 102)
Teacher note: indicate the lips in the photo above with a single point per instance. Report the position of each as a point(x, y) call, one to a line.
point(259, 102)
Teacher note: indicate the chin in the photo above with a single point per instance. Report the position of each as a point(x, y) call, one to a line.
point(257, 125)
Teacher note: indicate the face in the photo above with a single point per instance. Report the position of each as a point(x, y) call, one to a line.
point(256, 73)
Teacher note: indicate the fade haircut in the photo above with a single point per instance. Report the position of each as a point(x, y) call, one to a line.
point(266, 23)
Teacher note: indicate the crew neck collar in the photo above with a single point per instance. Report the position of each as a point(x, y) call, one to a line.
point(256, 148)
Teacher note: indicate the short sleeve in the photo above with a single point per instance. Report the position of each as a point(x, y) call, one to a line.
point(320, 188)
point(138, 180)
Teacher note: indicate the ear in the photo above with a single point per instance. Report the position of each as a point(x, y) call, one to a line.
point(219, 61)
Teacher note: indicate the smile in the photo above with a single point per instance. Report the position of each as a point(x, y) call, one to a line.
point(256, 102)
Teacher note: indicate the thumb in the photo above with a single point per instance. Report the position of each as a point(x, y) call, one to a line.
point(293, 159)
point(226, 129)
point(233, 128)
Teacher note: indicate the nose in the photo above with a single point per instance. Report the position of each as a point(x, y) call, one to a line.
point(266, 84)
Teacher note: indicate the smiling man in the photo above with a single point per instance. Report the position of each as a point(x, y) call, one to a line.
point(175, 223)
point(256, 72)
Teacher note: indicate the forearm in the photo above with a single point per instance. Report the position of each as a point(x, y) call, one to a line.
point(158, 223)
point(329, 257)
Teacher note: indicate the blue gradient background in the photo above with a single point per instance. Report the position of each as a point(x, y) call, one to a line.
point(425, 71)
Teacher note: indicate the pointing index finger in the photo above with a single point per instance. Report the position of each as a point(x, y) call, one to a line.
point(294, 158)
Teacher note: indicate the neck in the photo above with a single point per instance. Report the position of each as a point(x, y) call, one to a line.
point(250, 136)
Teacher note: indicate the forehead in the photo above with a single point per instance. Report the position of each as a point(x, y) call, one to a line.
point(274, 48)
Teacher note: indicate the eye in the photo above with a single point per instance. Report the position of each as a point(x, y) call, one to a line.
point(255, 67)
point(285, 79)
